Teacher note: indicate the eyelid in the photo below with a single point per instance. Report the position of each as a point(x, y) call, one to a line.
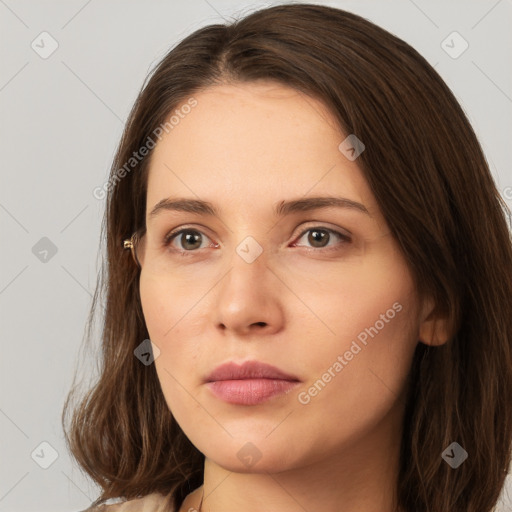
point(312, 224)
point(325, 225)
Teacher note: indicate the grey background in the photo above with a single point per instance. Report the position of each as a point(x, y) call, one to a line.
point(61, 119)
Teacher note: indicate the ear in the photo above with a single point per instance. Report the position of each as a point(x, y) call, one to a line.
point(433, 328)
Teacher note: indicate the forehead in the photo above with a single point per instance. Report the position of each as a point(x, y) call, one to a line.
point(252, 145)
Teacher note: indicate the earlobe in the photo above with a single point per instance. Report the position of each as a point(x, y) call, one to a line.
point(433, 328)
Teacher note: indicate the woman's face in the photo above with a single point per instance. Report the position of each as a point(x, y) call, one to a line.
point(321, 293)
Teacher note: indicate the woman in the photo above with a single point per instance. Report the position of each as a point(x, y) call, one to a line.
point(316, 312)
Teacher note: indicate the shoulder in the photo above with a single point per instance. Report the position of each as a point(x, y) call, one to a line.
point(154, 502)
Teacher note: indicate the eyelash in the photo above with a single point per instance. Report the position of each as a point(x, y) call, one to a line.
point(168, 239)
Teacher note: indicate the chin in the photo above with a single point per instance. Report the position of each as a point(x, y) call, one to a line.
point(266, 464)
point(251, 455)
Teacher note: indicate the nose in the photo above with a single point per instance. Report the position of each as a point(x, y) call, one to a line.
point(250, 298)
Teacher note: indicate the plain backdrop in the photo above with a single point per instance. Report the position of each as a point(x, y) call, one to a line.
point(70, 71)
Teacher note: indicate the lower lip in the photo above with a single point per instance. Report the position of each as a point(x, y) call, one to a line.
point(250, 391)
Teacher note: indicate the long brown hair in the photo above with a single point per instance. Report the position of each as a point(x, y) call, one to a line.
point(431, 180)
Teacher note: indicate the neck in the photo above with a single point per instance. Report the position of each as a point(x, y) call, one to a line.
point(361, 476)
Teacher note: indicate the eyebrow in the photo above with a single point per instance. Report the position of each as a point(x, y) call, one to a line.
point(281, 209)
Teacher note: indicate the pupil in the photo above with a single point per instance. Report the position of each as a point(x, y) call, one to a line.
point(317, 236)
point(188, 238)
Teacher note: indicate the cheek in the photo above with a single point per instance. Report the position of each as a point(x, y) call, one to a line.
point(155, 307)
point(168, 308)
point(346, 298)
point(163, 315)
point(363, 331)
point(171, 315)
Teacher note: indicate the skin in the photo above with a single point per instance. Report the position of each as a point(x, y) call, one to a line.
point(297, 306)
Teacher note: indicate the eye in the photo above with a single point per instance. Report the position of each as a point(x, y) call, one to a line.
point(320, 236)
point(189, 239)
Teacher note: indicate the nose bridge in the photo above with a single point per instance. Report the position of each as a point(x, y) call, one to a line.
point(250, 265)
point(250, 250)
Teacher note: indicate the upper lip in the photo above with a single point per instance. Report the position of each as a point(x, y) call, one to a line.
point(248, 370)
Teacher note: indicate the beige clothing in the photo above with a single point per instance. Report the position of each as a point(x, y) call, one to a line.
point(151, 503)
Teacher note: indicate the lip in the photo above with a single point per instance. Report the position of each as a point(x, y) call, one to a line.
point(250, 383)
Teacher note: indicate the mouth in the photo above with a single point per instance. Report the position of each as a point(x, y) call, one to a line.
point(251, 383)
